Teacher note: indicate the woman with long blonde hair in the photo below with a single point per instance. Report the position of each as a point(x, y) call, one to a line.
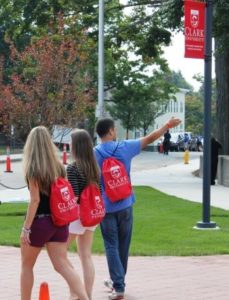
point(83, 171)
point(41, 168)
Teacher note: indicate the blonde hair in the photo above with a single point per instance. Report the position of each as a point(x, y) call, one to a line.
point(83, 154)
point(41, 162)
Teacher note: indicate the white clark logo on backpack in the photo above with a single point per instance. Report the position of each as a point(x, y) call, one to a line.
point(68, 202)
point(65, 193)
point(115, 171)
point(99, 202)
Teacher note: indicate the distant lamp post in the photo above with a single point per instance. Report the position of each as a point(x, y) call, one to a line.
point(12, 140)
point(100, 106)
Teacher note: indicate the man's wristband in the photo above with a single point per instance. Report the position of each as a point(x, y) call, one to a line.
point(168, 125)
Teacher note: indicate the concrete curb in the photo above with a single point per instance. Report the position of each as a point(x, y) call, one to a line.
point(3, 161)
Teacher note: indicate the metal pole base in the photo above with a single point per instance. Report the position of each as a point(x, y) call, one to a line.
point(203, 225)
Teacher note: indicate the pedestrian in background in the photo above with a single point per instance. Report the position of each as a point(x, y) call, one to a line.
point(41, 168)
point(81, 172)
point(116, 227)
point(186, 141)
point(199, 143)
point(166, 142)
point(215, 148)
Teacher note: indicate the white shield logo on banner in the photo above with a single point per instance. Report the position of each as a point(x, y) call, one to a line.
point(194, 17)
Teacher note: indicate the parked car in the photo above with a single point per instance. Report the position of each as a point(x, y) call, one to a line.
point(174, 141)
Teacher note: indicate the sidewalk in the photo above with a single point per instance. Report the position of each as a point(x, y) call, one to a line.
point(148, 278)
point(9, 195)
point(13, 157)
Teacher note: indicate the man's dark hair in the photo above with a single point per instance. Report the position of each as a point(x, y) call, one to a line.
point(103, 126)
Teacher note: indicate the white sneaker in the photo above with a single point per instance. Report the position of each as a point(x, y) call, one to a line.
point(108, 283)
point(116, 296)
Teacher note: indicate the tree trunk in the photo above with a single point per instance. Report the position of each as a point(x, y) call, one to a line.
point(145, 127)
point(222, 86)
point(127, 133)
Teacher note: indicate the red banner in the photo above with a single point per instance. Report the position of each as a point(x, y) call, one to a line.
point(194, 29)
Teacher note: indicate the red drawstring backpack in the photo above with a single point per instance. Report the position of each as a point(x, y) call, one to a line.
point(92, 209)
point(63, 203)
point(116, 180)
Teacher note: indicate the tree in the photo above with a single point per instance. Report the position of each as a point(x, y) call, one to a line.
point(138, 98)
point(195, 108)
point(49, 82)
point(221, 34)
point(179, 81)
point(5, 98)
point(194, 113)
point(158, 90)
point(140, 34)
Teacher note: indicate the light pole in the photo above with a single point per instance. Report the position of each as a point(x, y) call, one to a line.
point(206, 223)
point(100, 106)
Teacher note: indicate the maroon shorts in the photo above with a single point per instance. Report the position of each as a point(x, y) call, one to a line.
point(43, 231)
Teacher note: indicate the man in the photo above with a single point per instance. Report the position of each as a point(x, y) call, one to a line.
point(166, 142)
point(116, 227)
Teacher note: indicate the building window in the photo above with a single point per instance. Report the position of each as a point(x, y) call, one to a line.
point(137, 134)
point(181, 107)
point(175, 106)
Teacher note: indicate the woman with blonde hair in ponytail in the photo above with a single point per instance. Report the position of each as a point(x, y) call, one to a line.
point(41, 168)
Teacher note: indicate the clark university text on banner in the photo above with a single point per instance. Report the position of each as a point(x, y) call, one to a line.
point(194, 29)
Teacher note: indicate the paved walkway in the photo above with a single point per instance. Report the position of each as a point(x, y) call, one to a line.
point(149, 278)
point(159, 278)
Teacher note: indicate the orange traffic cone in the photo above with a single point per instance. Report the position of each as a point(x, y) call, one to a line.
point(8, 161)
point(44, 291)
point(65, 155)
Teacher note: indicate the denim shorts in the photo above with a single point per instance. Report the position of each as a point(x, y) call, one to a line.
point(44, 231)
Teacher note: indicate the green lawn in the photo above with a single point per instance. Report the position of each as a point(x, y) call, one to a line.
point(12, 150)
point(163, 225)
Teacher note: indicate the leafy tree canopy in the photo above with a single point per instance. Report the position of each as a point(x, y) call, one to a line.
point(133, 42)
point(179, 81)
